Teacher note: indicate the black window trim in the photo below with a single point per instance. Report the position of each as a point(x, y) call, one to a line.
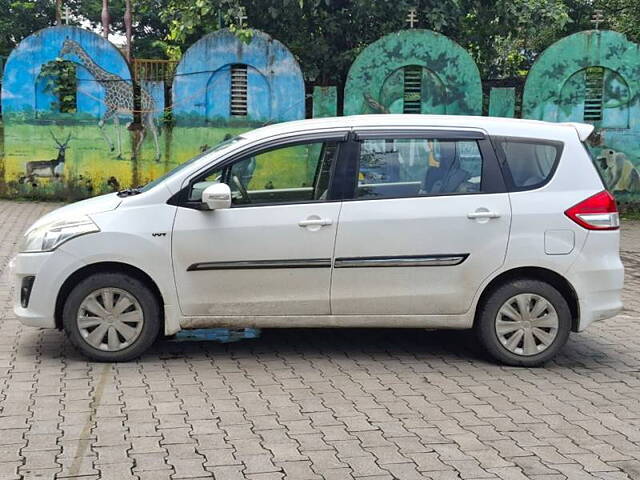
point(340, 136)
point(504, 165)
point(492, 180)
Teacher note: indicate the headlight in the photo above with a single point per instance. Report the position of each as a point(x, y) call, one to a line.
point(50, 236)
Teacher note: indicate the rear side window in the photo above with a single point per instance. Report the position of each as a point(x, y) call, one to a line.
point(413, 167)
point(530, 162)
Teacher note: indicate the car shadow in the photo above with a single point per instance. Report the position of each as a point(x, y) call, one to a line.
point(435, 347)
point(336, 341)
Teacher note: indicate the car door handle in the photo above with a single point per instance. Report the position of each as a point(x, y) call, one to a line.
point(311, 222)
point(483, 214)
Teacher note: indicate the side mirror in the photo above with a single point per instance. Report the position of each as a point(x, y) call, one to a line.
point(217, 196)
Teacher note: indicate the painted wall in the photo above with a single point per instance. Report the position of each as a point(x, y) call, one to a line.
point(447, 80)
point(52, 154)
point(202, 85)
point(564, 86)
point(202, 92)
point(72, 155)
point(591, 76)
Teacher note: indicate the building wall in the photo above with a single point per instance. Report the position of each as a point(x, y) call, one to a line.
point(594, 77)
point(224, 86)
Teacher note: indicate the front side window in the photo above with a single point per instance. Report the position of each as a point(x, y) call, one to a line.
point(408, 167)
point(530, 162)
point(218, 148)
point(290, 174)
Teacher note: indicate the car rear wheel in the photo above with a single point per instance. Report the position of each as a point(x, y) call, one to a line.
point(524, 323)
point(111, 317)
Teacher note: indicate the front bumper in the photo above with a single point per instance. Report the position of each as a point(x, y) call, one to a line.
point(50, 270)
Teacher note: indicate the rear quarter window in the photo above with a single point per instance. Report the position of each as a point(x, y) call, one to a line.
point(530, 163)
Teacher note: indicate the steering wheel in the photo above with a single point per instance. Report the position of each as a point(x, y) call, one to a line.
point(243, 191)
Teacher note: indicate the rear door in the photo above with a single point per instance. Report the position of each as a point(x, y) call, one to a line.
point(426, 221)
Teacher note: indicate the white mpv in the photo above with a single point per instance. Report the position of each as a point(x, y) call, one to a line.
point(399, 221)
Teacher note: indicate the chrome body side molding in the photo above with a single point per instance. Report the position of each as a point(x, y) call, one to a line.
point(343, 262)
point(257, 264)
point(401, 261)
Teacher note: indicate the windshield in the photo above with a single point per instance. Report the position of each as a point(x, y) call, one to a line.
point(221, 146)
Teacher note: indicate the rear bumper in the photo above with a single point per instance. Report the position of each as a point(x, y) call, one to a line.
point(598, 278)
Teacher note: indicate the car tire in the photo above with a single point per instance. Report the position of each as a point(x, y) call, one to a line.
point(539, 334)
point(127, 329)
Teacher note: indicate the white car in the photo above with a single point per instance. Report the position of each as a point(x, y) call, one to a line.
point(399, 221)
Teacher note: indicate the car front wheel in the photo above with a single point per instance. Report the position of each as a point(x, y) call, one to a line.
point(111, 317)
point(524, 323)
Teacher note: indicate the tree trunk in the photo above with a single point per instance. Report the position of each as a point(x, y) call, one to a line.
point(128, 19)
point(106, 19)
point(58, 12)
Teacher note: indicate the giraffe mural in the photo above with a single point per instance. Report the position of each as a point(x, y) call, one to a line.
point(118, 98)
point(31, 114)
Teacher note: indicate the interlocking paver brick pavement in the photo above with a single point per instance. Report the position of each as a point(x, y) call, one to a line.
point(330, 404)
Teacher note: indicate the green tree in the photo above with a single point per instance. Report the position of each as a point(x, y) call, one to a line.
point(503, 36)
point(149, 30)
point(622, 16)
point(21, 18)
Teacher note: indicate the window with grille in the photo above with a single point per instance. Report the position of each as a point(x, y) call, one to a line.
point(412, 89)
point(238, 90)
point(594, 84)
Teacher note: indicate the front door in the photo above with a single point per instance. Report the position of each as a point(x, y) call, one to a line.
point(271, 252)
point(427, 223)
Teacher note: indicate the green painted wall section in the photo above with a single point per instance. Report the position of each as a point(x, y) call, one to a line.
point(450, 80)
point(566, 84)
point(502, 102)
point(325, 102)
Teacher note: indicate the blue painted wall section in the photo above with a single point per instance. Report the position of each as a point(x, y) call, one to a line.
point(202, 85)
point(156, 90)
point(19, 97)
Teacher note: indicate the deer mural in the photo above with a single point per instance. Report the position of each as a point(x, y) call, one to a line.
point(47, 168)
point(118, 99)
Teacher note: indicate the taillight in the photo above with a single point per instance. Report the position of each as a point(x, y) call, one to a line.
point(598, 212)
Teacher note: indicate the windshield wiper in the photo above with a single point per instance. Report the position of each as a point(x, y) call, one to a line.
point(127, 192)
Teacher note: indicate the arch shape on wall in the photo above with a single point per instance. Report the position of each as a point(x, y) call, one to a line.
point(596, 95)
point(425, 94)
point(202, 84)
point(443, 61)
point(553, 91)
point(546, 95)
point(19, 86)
